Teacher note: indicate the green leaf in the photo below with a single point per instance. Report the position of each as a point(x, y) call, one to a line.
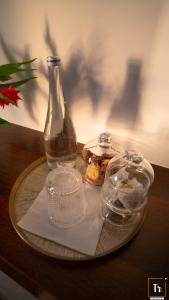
point(27, 62)
point(8, 69)
point(17, 83)
point(2, 96)
point(2, 122)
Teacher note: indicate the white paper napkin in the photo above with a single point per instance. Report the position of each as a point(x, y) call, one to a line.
point(82, 237)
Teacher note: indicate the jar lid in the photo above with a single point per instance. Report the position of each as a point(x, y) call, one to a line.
point(103, 145)
point(132, 165)
point(105, 139)
point(134, 157)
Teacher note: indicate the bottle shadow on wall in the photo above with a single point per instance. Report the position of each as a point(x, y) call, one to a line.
point(30, 89)
point(52, 48)
point(80, 75)
point(81, 80)
point(125, 110)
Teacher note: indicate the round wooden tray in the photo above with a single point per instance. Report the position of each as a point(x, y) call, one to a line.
point(25, 190)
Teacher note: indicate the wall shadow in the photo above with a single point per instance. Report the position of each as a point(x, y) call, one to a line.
point(30, 89)
point(81, 80)
point(51, 45)
point(79, 76)
point(50, 42)
point(125, 109)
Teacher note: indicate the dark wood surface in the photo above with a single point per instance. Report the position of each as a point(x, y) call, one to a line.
point(121, 275)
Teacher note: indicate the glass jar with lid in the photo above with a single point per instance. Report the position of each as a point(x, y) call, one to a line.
point(97, 154)
point(125, 188)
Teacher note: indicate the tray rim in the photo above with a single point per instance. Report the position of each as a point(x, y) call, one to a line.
point(21, 231)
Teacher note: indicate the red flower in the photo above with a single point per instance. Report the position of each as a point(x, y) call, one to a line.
point(11, 93)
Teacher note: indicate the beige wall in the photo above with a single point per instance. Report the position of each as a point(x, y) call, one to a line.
point(115, 65)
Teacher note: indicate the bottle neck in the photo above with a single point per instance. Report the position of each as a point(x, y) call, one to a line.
point(56, 98)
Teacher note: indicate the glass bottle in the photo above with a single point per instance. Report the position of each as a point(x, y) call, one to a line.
point(59, 133)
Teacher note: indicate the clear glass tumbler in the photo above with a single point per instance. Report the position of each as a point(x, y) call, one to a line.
point(66, 202)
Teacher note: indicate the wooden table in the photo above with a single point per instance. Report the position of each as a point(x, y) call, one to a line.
point(121, 275)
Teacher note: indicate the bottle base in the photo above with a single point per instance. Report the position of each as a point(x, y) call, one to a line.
point(55, 162)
